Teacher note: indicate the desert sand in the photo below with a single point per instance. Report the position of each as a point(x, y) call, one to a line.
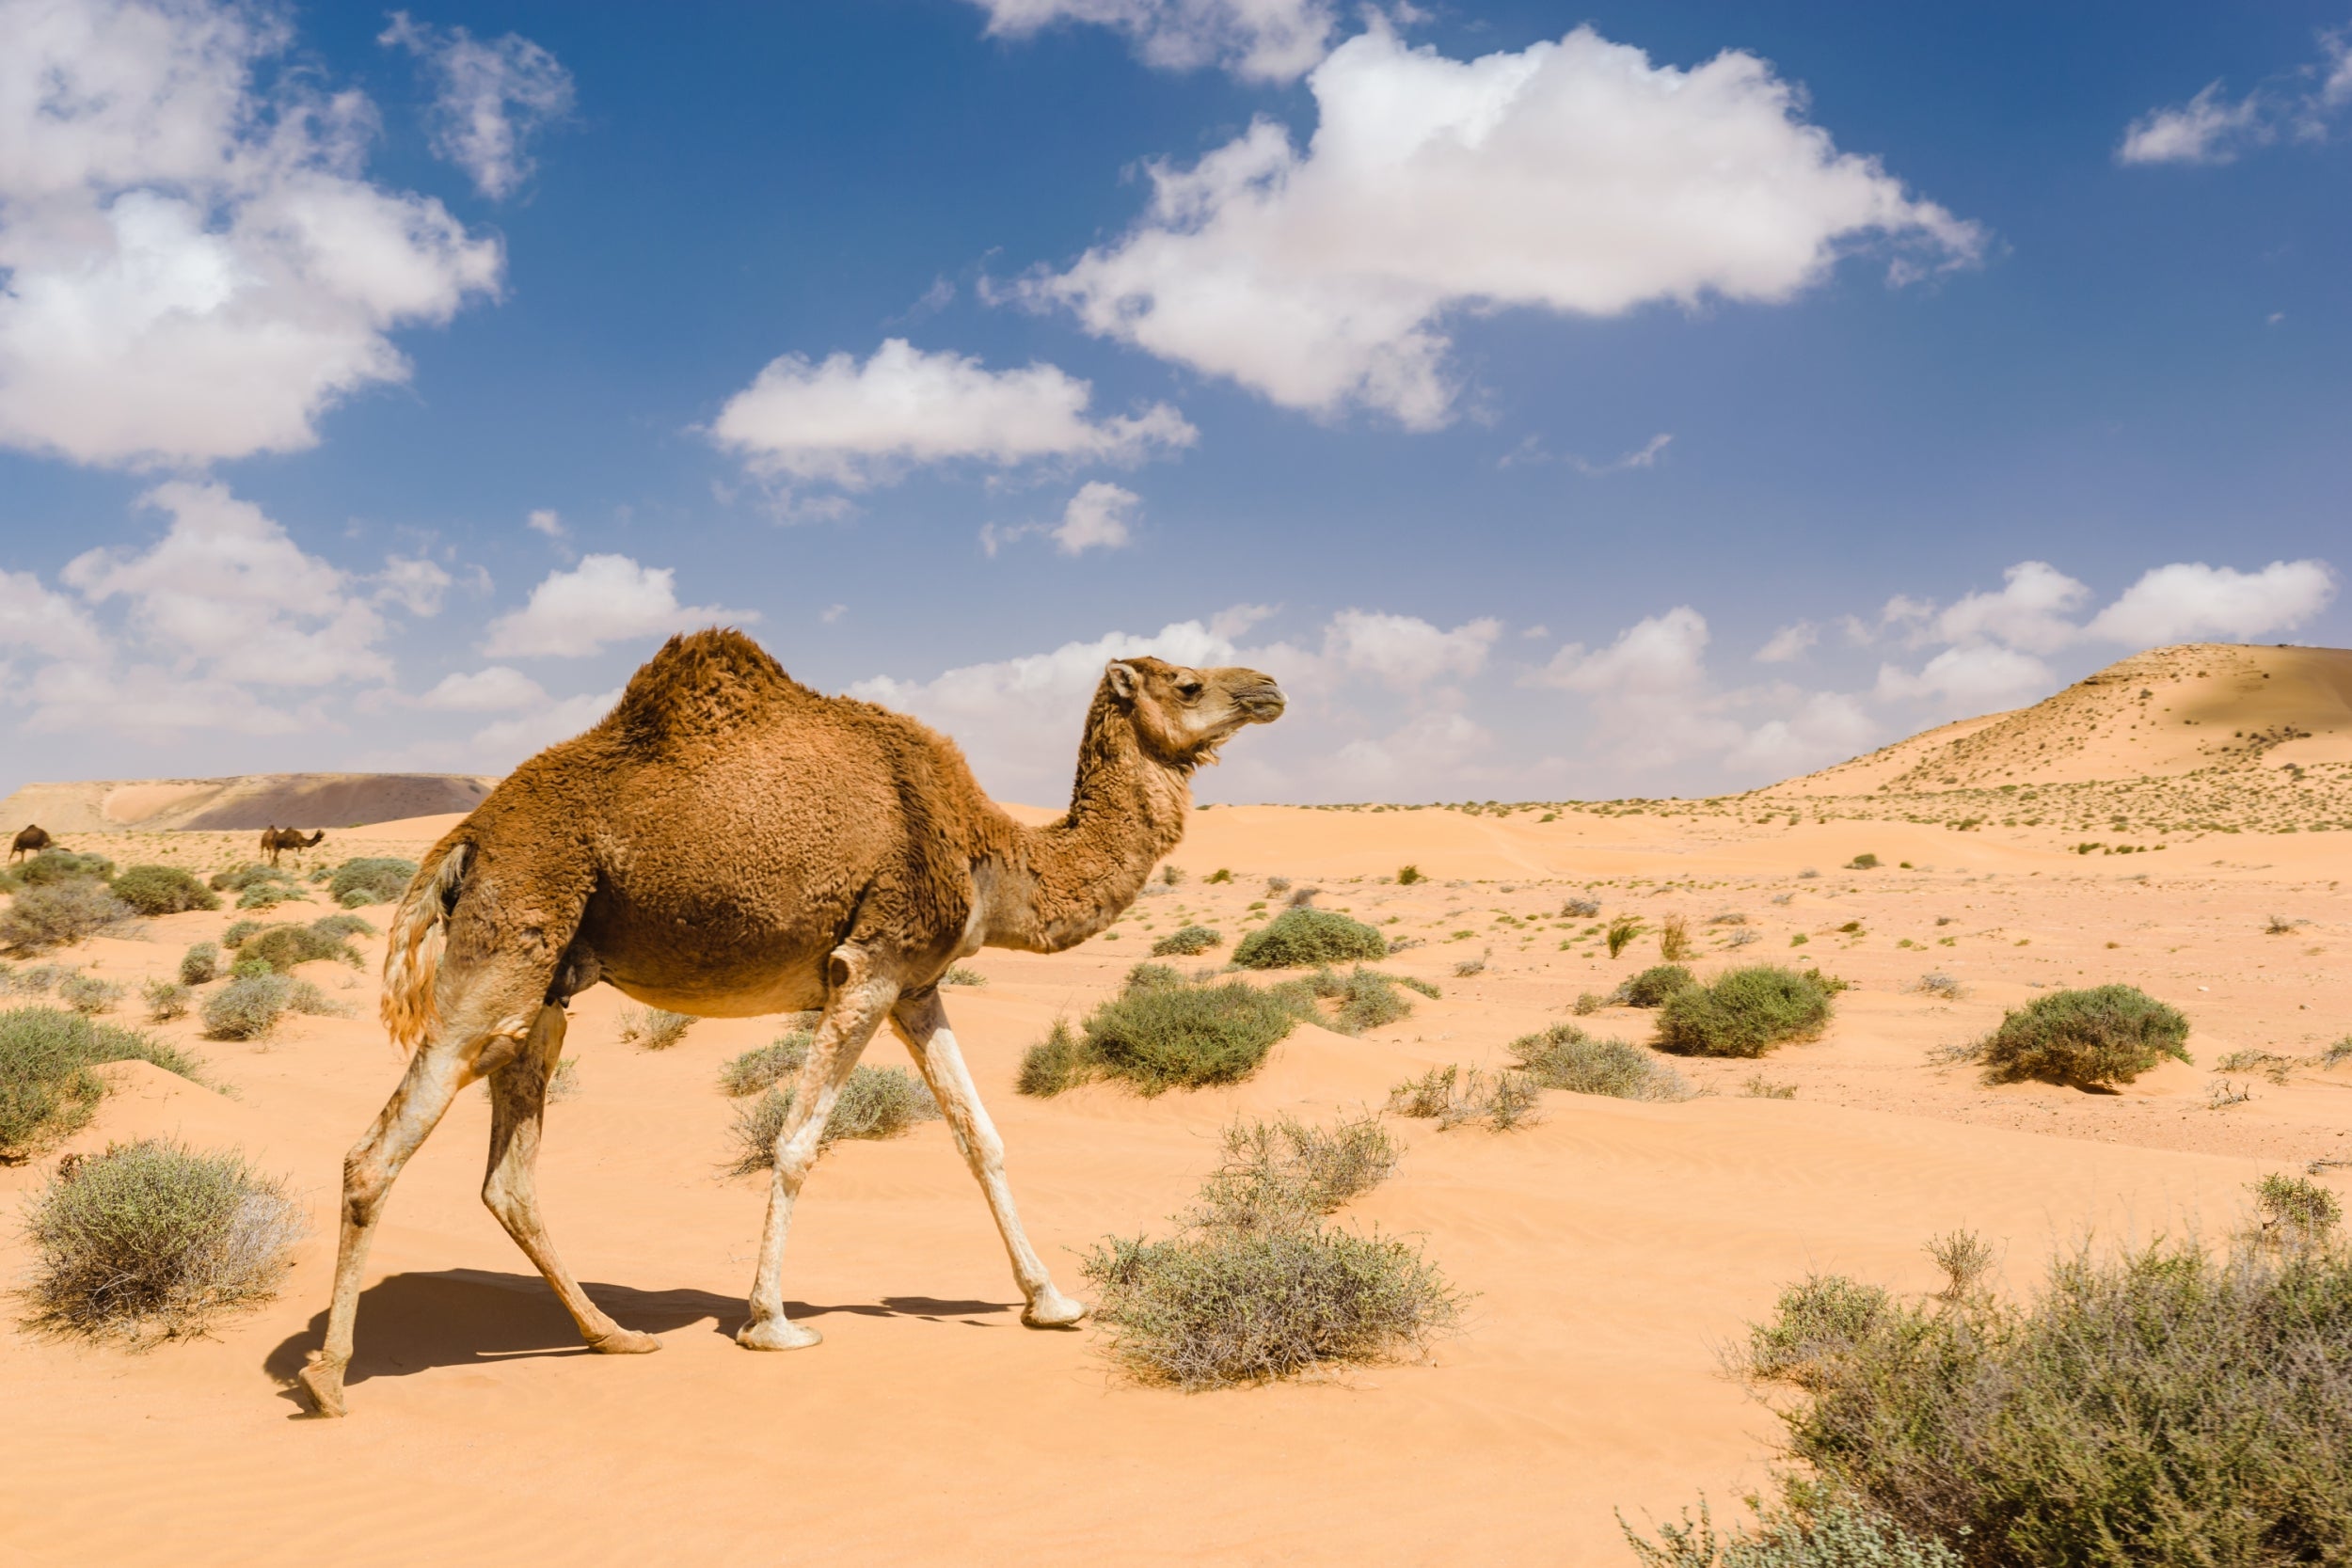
point(1613, 1249)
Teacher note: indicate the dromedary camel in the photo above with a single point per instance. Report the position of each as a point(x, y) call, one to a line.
point(29, 840)
point(277, 839)
point(729, 843)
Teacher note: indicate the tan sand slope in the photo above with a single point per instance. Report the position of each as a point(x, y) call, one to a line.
point(2168, 712)
point(254, 800)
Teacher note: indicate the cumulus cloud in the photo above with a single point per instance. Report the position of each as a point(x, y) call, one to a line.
point(1436, 745)
point(34, 619)
point(1097, 517)
point(1406, 652)
point(1258, 40)
point(192, 268)
point(1827, 727)
point(2189, 599)
point(2029, 611)
point(496, 689)
point(1788, 642)
point(508, 741)
point(2298, 104)
point(1973, 679)
point(546, 520)
point(1658, 653)
point(417, 585)
point(856, 425)
point(605, 598)
point(1573, 177)
point(489, 98)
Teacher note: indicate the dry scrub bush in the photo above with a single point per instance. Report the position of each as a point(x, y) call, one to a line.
point(89, 995)
point(164, 890)
point(766, 1066)
point(1936, 982)
point(1454, 1096)
point(1367, 998)
point(962, 974)
point(151, 1237)
point(1186, 942)
point(53, 866)
point(1622, 931)
point(282, 947)
point(1580, 909)
point(200, 963)
point(1651, 988)
point(1565, 1057)
point(2153, 1407)
point(166, 1000)
point(1277, 1172)
point(250, 1005)
point(1744, 1012)
point(654, 1028)
point(1056, 1063)
point(47, 1089)
point(1674, 939)
point(1407, 875)
point(57, 914)
point(2093, 1038)
point(1299, 937)
point(370, 880)
point(1829, 1535)
point(2294, 1210)
point(876, 1103)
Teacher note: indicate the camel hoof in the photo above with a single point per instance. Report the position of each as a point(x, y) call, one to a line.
point(623, 1341)
point(323, 1382)
point(1052, 1309)
point(777, 1334)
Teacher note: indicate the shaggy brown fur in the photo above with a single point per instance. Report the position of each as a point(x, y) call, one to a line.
point(275, 839)
point(29, 840)
point(729, 843)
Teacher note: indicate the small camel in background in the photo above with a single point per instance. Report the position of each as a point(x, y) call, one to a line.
point(277, 839)
point(729, 843)
point(29, 840)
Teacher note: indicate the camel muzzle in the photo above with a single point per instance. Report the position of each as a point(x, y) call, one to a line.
point(1262, 703)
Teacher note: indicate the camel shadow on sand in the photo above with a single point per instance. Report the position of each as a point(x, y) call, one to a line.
point(414, 1323)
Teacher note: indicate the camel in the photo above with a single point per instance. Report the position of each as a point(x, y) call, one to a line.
point(30, 840)
point(729, 843)
point(275, 839)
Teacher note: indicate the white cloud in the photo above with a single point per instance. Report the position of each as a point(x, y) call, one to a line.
point(544, 520)
point(417, 586)
point(1259, 40)
point(2209, 128)
point(2185, 601)
point(1643, 456)
point(1097, 517)
point(1406, 652)
point(1979, 678)
point(495, 689)
point(1788, 642)
point(1574, 176)
point(489, 98)
point(194, 268)
point(2029, 611)
point(853, 426)
point(1429, 749)
point(1659, 654)
point(1827, 727)
point(605, 598)
point(34, 618)
point(510, 740)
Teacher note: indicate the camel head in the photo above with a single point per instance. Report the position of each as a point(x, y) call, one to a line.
point(1183, 715)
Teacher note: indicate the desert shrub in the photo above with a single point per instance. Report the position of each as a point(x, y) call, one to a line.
point(1746, 1012)
point(1469, 967)
point(1407, 875)
point(1277, 1173)
point(1162, 1032)
point(47, 1088)
point(876, 1103)
point(57, 914)
point(2091, 1038)
point(252, 873)
point(2295, 1210)
point(89, 995)
point(1222, 874)
point(1831, 1535)
point(31, 980)
point(250, 969)
point(164, 890)
point(1367, 998)
point(1622, 931)
point(268, 896)
point(166, 1000)
point(1276, 885)
point(155, 1236)
point(1651, 988)
point(1864, 862)
point(1298, 937)
point(1186, 942)
point(1674, 939)
point(239, 930)
point(1455, 1096)
point(766, 1066)
point(1565, 1057)
point(1936, 982)
point(53, 866)
point(2159, 1406)
point(563, 1084)
point(1171, 876)
point(200, 963)
point(1587, 1002)
point(370, 880)
point(962, 974)
point(1056, 1063)
point(1302, 898)
point(247, 1007)
point(282, 947)
point(1760, 1087)
point(342, 924)
point(654, 1028)
point(1580, 909)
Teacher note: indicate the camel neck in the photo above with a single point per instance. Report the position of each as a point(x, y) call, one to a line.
point(1125, 812)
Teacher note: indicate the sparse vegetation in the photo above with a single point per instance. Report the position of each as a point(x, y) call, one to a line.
point(163, 890)
point(199, 964)
point(1469, 967)
point(47, 1089)
point(764, 1067)
point(2088, 1039)
point(654, 1028)
point(1222, 874)
point(1056, 1063)
point(154, 1237)
point(1622, 931)
point(1162, 1032)
point(166, 1000)
point(1580, 909)
point(1651, 988)
point(1407, 875)
point(1865, 861)
point(1367, 998)
point(250, 1005)
point(1565, 1057)
point(1832, 1534)
point(53, 866)
point(876, 1103)
point(1454, 1096)
point(1186, 942)
point(57, 914)
point(89, 995)
point(1277, 1172)
point(370, 880)
point(2296, 1210)
point(1674, 939)
point(1299, 937)
point(962, 974)
point(1744, 1012)
point(1938, 984)
point(1760, 1087)
point(283, 947)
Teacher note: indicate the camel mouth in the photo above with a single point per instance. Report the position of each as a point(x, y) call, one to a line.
point(1263, 703)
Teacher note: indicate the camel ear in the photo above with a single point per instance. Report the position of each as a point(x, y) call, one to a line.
point(1123, 679)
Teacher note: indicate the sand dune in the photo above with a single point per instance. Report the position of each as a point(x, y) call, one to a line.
point(253, 801)
point(1612, 1248)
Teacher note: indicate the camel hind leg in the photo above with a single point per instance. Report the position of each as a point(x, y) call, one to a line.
point(518, 1100)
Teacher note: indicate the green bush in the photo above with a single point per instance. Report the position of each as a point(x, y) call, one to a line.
point(1565, 1057)
point(1298, 937)
point(1158, 1035)
point(343, 925)
point(47, 1088)
point(2168, 1405)
point(1186, 942)
point(89, 995)
point(268, 896)
point(2295, 1210)
point(371, 879)
point(2092, 1039)
point(1407, 875)
point(1746, 1012)
point(247, 1007)
point(876, 1103)
point(238, 930)
point(1056, 1063)
point(57, 914)
point(151, 1235)
point(53, 866)
point(250, 875)
point(199, 964)
point(766, 1066)
point(166, 1000)
point(250, 969)
point(1651, 988)
point(1830, 1535)
point(1622, 931)
point(282, 947)
point(164, 890)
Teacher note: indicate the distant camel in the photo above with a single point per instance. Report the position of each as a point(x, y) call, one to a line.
point(30, 840)
point(275, 839)
point(729, 843)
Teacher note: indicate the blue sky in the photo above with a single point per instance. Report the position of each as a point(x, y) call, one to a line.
point(1505, 379)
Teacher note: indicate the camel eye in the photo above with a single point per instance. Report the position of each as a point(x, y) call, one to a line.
point(1188, 689)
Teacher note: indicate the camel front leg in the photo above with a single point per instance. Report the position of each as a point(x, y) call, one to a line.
point(860, 1000)
point(922, 1023)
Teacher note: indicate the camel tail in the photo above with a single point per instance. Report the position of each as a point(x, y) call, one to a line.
point(412, 959)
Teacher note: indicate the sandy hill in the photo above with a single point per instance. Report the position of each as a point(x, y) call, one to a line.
point(2170, 711)
point(252, 801)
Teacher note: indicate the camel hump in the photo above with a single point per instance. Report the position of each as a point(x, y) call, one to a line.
point(701, 683)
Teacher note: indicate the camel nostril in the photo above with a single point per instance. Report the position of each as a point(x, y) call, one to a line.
point(1262, 702)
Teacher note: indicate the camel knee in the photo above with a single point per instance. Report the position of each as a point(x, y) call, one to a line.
point(365, 1183)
